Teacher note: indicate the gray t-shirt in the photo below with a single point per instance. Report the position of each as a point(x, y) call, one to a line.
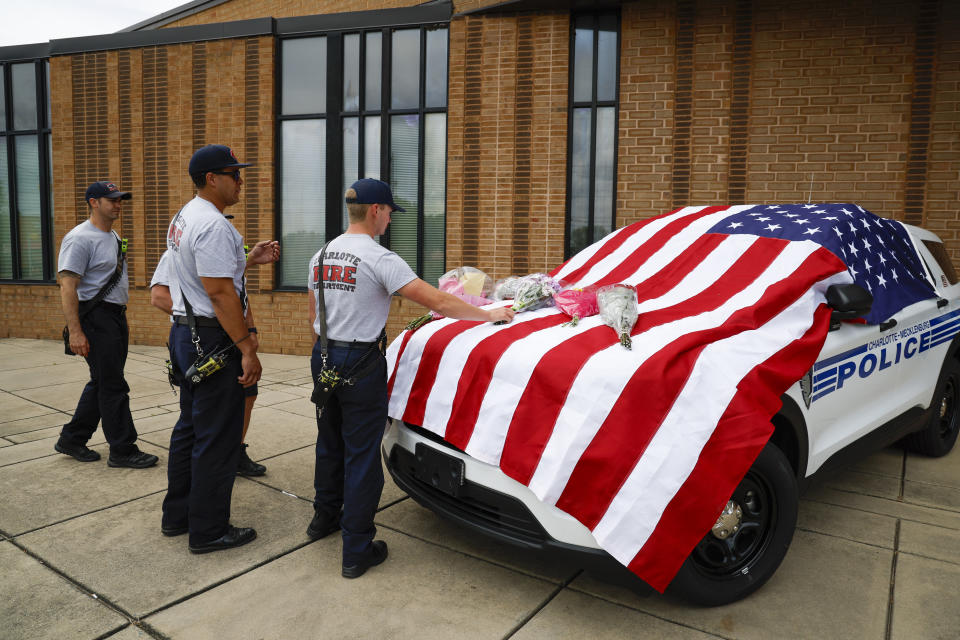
point(202, 243)
point(92, 254)
point(161, 275)
point(359, 278)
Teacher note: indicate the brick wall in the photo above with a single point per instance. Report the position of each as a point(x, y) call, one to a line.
point(507, 141)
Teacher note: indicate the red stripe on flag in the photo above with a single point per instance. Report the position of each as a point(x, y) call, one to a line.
point(396, 367)
point(637, 414)
point(427, 370)
point(546, 392)
point(478, 372)
point(678, 269)
point(630, 265)
point(642, 253)
point(740, 435)
point(544, 397)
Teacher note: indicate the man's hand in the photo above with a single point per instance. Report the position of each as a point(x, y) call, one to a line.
point(264, 252)
point(71, 312)
point(251, 368)
point(78, 343)
point(501, 314)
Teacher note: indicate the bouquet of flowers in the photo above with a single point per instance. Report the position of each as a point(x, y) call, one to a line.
point(534, 292)
point(577, 303)
point(467, 283)
point(618, 309)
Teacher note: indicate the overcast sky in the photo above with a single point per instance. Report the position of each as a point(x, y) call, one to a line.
point(29, 21)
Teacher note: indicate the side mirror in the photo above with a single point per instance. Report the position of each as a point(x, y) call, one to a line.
point(848, 301)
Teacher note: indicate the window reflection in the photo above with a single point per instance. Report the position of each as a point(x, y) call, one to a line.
point(28, 207)
point(371, 147)
point(374, 61)
point(304, 76)
point(351, 72)
point(351, 158)
point(303, 196)
point(436, 73)
point(6, 247)
point(404, 158)
point(405, 69)
point(580, 233)
point(24, 79)
point(604, 174)
point(434, 195)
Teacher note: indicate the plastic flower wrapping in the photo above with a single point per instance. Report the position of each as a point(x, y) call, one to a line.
point(535, 291)
point(618, 309)
point(577, 303)
point(506, 289)
point(467, 283)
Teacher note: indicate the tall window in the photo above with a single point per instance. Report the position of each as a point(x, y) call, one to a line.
point(26, 211)
point(363, 104)
point(594, 64)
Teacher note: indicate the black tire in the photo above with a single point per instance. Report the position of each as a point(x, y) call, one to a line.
point(723, 571)
point(939, 435)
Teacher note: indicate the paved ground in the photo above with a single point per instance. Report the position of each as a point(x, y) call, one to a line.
point(877, 553)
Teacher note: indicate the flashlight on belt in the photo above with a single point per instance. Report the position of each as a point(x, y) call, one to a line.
point(201, 370)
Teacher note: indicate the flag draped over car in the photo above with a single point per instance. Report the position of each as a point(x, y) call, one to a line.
point(644, 447)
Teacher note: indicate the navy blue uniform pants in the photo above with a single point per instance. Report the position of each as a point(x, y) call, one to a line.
point(205, 444)
point(350, 428)
point(106, 397)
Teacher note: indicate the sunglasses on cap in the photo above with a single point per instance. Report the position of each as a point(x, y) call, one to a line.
point(235, 174)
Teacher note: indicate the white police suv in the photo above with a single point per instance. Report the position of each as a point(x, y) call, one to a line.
point(864, 386)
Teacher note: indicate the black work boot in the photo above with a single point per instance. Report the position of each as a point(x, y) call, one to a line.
point(248, 467)
point(78, 451)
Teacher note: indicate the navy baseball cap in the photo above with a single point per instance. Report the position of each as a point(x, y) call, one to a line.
point(106, 190)
point(213, 157)
point(372, 191)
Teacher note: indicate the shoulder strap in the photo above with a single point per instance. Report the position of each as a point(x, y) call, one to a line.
point(322, 314)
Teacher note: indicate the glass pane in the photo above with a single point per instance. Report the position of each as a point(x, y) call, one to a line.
point(603, 180)
point(303, 217)
point(3, 106)
point(371, 147)
point(6, 247)
point(351, 159)
point(351, 72)
point(434, 195)
point(580, 181)
point(436, 68)
point(50, 197)
point(404, 155)
point(583, 65)
point(374, 63)
point(304, 73)
point(27, 158)
point(606, 65)
point(24, 80)
point(405, 69)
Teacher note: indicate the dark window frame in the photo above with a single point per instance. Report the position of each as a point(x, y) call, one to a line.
point(8, 137)
point(333, 123)
point(593, 104)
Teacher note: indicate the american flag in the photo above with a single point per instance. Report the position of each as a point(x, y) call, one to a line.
point(644, 447)
point(878, 252)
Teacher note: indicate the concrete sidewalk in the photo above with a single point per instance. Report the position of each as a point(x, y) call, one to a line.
point(877, 553)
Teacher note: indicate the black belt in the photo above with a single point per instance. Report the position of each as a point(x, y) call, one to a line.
point(109, 306)
point(341, 343)
point(202, 321)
